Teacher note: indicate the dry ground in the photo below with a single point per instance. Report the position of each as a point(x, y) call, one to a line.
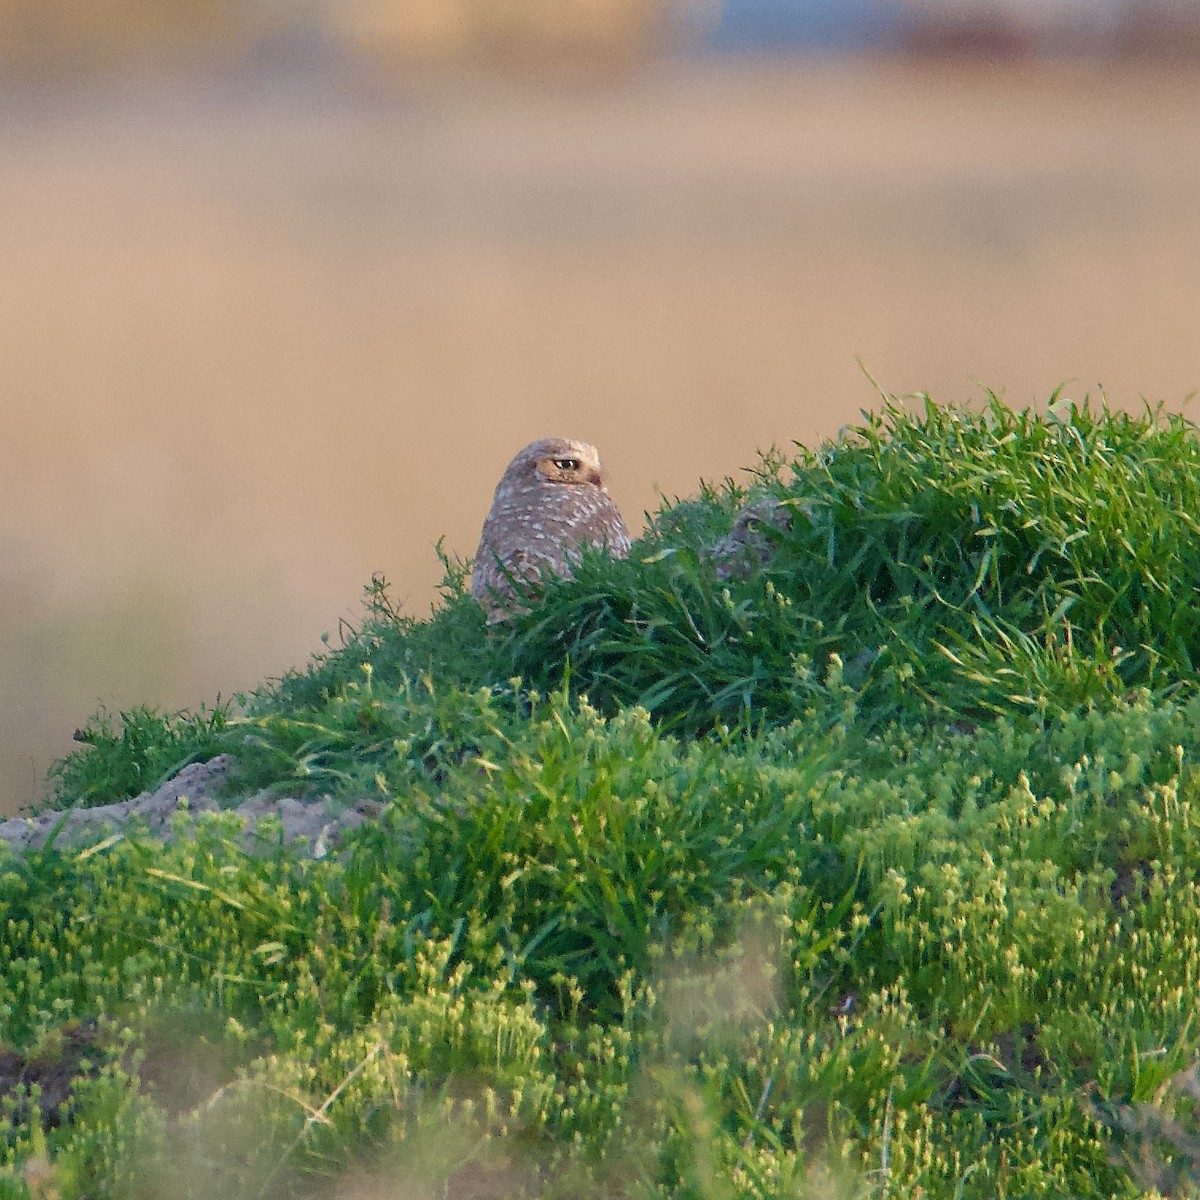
point(264, 335)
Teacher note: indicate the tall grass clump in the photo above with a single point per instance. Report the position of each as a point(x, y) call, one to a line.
point(135, 751)
point(941, 560)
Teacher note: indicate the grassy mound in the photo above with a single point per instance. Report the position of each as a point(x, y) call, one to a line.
point(869, 871)
point(943, 564)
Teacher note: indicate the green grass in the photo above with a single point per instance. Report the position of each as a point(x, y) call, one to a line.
point(134, 752)
point(873, 873)
point(962, 562)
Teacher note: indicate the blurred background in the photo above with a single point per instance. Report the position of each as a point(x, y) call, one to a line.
point(285, 283)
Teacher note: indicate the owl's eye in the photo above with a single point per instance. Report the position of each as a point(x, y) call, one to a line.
point(567, 464)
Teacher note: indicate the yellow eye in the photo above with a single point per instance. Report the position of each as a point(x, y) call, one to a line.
point(567, 464)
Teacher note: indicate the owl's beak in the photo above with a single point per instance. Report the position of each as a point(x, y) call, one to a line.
point(596, 478)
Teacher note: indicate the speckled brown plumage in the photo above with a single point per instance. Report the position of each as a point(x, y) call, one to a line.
point(550, 502)
point(748, 545)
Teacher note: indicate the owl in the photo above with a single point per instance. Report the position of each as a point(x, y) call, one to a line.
point(550, 503)
point(747, 546)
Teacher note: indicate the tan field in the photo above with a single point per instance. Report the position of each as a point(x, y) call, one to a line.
point(265, 335)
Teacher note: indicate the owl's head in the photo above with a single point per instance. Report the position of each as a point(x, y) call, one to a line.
point(557, 460)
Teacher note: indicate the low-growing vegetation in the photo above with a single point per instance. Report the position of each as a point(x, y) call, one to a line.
point(872, 869)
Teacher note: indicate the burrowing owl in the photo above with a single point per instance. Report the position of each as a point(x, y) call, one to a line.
point(747, 546)
point(550, 503)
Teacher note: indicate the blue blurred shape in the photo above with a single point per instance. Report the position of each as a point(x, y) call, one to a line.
point(803, 24)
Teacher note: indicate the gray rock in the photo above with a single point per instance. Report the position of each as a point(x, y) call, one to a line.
point(315, 828)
